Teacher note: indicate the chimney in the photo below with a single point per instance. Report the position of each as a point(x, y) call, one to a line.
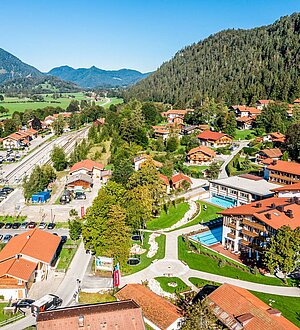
point(274, 311)
point(280, 208)
point(273, 205)
point(258, 205)
point(245, 318)
point(289, 213)
point(268, 216)
point(274, 162)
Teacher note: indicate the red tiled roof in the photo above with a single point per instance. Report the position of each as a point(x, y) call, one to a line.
point(110, 315)
point(14, 136)
point(155, 308)
point(36, 243)
point(265, 101)
point(165, 179)
point(238, 306)
point(203, 149)
point(272, 153)
point(210, 135)
point(277, 135)
point(284, 166)
point(251, 177)
point(180, 177)
point(289, 187)
point(244, 119)
point(267, 161)
point(253, 111)
point(297, 101)
point(86, 164)
point(32, 131)
point(19, 268)
point(275, 217)
point(176, 112)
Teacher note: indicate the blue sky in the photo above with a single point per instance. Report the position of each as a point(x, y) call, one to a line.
point(114, 34)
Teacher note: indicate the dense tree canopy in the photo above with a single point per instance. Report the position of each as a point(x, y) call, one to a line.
point(237, 66)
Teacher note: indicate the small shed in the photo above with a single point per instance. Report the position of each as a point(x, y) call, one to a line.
point(40, 197)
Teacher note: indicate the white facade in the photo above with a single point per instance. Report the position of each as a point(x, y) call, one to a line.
point(13, 294)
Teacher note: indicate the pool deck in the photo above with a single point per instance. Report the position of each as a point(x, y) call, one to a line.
point(219, 248)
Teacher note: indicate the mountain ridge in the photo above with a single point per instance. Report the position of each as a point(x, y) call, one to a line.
point(234, 65)
point(94, 77)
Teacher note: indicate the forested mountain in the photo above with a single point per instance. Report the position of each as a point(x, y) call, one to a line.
point(37, 85)
point(236, 66)
point(11, 67)
point(94, 77)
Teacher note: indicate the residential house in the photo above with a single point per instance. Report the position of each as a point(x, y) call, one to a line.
point(245, 122)
point(139, 160)
point(88, 167)
point(290, 190)
point(158, 313)
point(187, 130)
point(260, 104)
point(99, 122)
point(161, 132)
point(297, 101)
point(201, 155)
point(79, 181)
point(242, 189)
point(16, 140)
point(165, 183)
point(248, 228)
point(26, 258)
point(180, 181)
point(282, 172)
point(273, 154)
point(176, 116)
point(110, 315)
point(238, 309)
point(214, 139)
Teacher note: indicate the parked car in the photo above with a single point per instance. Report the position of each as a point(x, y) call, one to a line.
point(7, 238)
point(8, 225)
point(1, 236)
point(16, 225)
point(31, 225)
point(51, 225)
point(24, 225)
point(18, 156)
point(64, 239)
point(42, 225)
point(80, 195)
point(7, 190)
point(2, 224)
point(10, 159)
point(24, 303)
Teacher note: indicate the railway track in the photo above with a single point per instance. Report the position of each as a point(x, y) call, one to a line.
point(28, 164)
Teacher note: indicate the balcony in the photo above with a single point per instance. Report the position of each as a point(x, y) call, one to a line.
point(244, 242)
point(230, 235)
point(254, 225)
point(231, 225)
point(249, 233)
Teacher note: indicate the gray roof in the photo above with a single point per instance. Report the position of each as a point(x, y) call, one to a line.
point(79, 176)
point(256, 187)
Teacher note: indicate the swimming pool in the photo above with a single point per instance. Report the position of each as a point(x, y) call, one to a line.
point(222, 202)
point(209, 237)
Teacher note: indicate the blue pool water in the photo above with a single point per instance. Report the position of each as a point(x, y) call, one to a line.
point(209, 237)
point(222, 202)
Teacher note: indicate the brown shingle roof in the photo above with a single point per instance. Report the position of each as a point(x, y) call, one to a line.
point(112, 315)
point(36, 243)
point(272, 153)
point(203, 149)
point(241, 309)
point(155, 308)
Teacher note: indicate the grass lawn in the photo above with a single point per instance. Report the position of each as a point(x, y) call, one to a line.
point(67, 254)
point(166, 220)
point(61, 225)
point(199, 283)
point(204, 216)
point(104, 156)
point(3, 316)
point(145, 262)
point(164, 281)
point(242, 134)
point(208, 264)
point(11, 218)
point(15, 104)
point(92, 298)
point(288, 306)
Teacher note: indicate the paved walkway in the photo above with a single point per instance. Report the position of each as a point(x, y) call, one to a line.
point(223, 174)
point(171, 266)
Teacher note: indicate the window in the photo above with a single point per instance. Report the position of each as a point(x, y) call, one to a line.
point(20, 282)
point(81, 321)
